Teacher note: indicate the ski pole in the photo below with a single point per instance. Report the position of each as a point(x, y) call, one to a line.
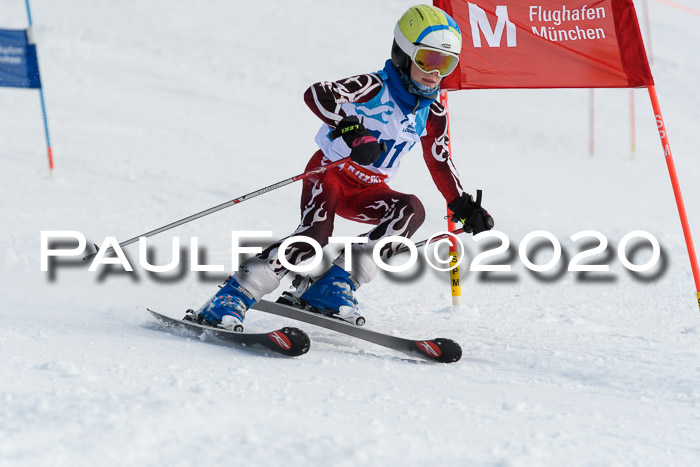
point(317, 170)
point(479, 194)
point(431, 240)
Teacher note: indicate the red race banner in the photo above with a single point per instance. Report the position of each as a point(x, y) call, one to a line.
point(548, 44)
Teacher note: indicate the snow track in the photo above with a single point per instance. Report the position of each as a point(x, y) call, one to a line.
point(159, 111)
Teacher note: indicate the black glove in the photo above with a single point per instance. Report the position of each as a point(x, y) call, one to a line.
point(364, 147)
point(470, 213)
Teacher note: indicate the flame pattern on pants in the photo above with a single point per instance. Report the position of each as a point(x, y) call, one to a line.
point(335, 193)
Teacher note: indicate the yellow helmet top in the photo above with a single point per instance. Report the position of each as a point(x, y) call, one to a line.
point(428, 26)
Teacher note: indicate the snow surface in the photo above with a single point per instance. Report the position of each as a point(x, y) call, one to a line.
point(162, 109)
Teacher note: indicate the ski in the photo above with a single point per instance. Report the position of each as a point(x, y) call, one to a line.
point(438, 349)
point(288, 341)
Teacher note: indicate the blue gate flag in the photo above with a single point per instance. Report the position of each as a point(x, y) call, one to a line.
point(19, 67)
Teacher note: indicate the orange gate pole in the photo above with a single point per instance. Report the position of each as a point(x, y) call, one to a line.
point(676, 188)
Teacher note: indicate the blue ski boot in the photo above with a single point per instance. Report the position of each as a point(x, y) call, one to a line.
point(333, 295)
point(227, 308)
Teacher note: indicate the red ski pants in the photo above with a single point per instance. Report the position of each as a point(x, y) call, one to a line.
point(336, 193)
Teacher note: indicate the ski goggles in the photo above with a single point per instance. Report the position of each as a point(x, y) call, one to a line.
point(431, 61)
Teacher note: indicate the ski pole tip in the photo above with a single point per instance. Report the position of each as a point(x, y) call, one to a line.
point(97, 250)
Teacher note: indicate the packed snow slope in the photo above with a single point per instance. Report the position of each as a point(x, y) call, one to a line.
point(161, 109)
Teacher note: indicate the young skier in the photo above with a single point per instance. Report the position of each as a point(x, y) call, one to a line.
point(375, 119)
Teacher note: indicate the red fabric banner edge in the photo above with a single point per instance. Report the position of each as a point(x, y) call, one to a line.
point(633, 54)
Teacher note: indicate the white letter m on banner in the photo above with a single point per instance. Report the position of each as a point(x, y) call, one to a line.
point(479, 22)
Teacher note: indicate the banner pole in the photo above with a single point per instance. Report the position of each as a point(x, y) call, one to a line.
point(46, 130)
point(676, 188)
point(454, 249)
point(30, 37)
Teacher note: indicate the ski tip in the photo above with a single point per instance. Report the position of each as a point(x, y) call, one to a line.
point(441, 350)
point(292, 342)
